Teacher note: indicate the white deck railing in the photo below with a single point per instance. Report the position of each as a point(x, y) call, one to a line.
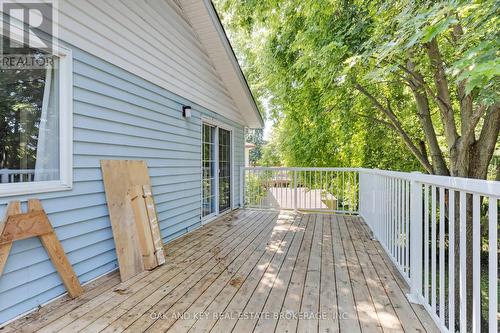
point(311, 189)
point(16, 176)
point(422, 222)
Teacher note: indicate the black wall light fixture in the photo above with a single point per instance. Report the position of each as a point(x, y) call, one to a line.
point(186, 111)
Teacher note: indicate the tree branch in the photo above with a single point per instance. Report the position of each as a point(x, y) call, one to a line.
point(397, 127)
point(464, 99)
point(497, 177)
point(424, 115)
point(377, 120)
point(423, 150)
point(457, 31)
point(420, 80)
point(443, 92)
point(470, 125)
point(484, 147)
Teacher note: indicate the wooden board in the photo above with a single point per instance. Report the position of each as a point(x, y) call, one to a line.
point(35, 223)
point(148, 230)
point(130, 202)
point(27, 225)
point(13, 208)
point(136, 197)
point(153, 224)
point(293, 297)
point(119, 176)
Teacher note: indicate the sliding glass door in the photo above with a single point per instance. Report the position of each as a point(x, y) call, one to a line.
point(216, 170)
point(224, 160)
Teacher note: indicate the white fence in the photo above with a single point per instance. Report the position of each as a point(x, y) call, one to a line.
point(16, 176)
point(440, 232)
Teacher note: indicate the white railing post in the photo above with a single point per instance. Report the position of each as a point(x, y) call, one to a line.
point(415, 240)
point(242, 187)
point(4, 178)
point(295, 189)
point(359, 192)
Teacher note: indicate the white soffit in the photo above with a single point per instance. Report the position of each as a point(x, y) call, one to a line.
point(203, 18)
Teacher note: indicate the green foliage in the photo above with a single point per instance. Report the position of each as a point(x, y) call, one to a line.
point(255, 191)
point(304, 57)
point(271, 155)
point(255, 136)
point(473, 57)
point(20, 108)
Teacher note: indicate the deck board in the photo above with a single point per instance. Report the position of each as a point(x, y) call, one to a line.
point(368, 318)
point(383, 306)
point(328, 287)
point(293, 298)
point(310, 297)
point(261, 292)
point(280, 286)
point(250, 271)
point(348, 316)
point(159, 301)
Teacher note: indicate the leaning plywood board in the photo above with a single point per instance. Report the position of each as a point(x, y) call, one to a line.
point(118, 177)
point(134, 194)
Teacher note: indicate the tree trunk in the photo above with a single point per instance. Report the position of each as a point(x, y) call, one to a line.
point(483, 149)
point(423, 111)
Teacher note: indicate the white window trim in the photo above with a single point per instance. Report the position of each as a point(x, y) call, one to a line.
point(218, 124)
point(65, 132)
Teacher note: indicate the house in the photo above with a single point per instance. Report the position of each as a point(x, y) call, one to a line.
point(312, 249)
point(150, 80)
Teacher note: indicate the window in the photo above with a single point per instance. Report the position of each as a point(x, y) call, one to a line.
point(36, 124)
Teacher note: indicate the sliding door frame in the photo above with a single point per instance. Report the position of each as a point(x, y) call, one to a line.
point(217, 125)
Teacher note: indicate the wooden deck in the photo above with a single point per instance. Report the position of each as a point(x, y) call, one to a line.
point(251, 271)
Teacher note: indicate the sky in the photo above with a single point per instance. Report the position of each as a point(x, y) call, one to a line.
point(268, 122)
point(268, 129)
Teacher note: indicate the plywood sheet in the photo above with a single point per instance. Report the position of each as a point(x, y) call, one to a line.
point(133, 216)
point(118, 177)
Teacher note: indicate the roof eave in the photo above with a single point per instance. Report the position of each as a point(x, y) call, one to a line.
point(234, 61)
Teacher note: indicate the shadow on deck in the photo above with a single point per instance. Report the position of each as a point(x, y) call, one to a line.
point(250, 271)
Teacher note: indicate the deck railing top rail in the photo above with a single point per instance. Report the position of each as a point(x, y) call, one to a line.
point(470, 185)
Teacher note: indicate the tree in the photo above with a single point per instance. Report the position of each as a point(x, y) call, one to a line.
point(428, 69)
point(271, 155)
point(446, 54)
point(315, 124)
point(255, 136)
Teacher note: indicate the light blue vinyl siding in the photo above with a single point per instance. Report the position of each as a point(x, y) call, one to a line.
point(116, 116)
